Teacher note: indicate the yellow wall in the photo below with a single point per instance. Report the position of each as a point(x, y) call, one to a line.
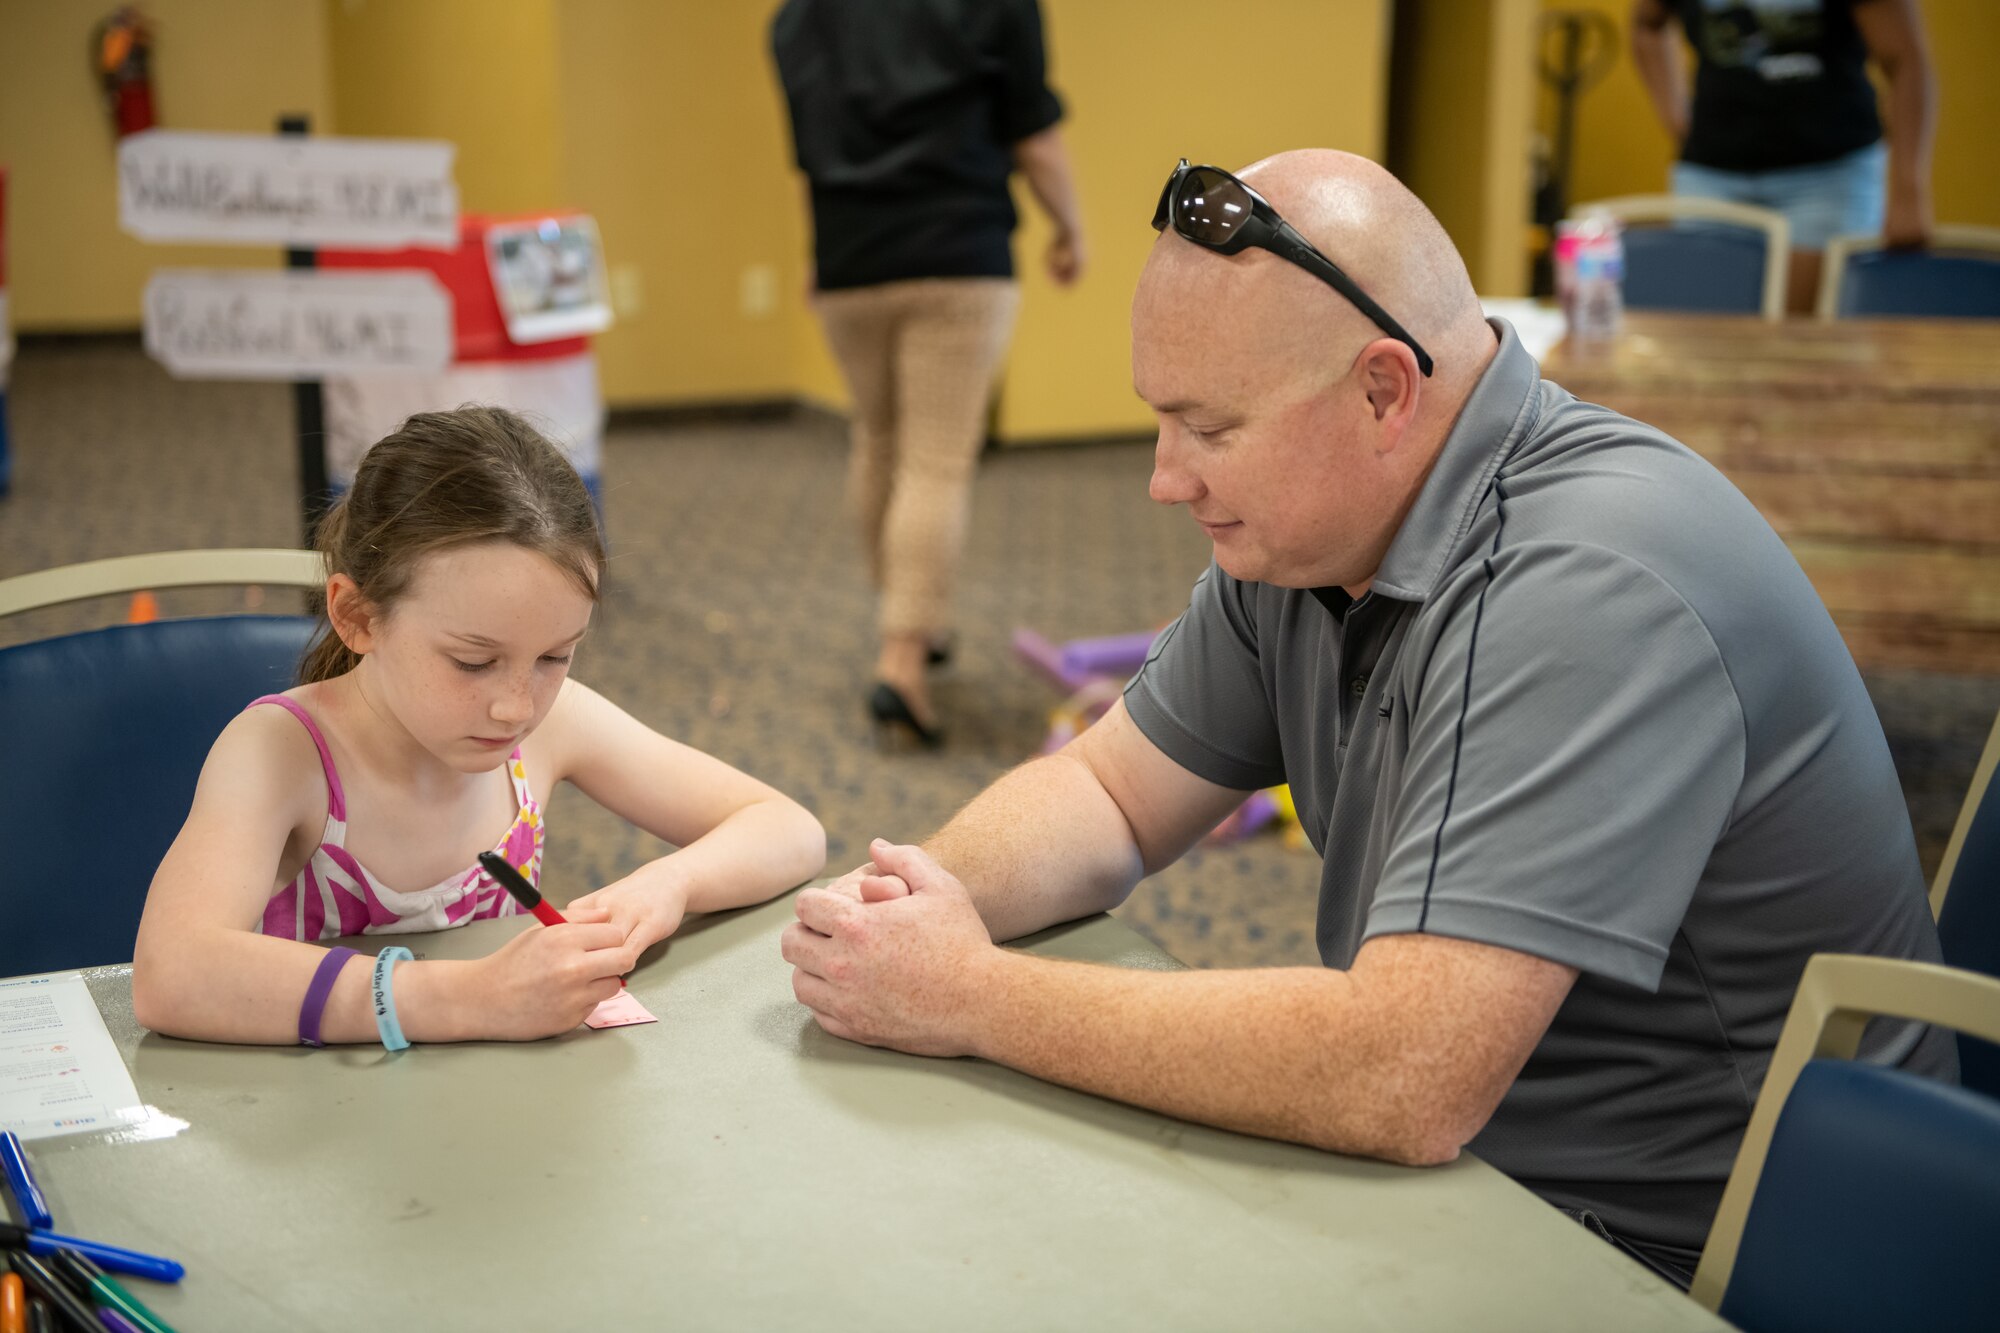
point(1965, 39)
point(665, 122)
point(1621, 149)
point(478, 73)
point(1460, 98)
point(1260, 75)
point(646, 154)
point(673, 136)
point(217, 65)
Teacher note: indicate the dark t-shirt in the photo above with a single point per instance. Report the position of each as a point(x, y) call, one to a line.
point(904, 117)
point(1781, 83)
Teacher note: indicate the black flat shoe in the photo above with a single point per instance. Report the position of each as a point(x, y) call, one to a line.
point(891, 710)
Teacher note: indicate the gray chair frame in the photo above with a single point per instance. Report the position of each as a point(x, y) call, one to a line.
point(274, 566)
point(1837, 996)
point(1687, 208)
point(1950, 238)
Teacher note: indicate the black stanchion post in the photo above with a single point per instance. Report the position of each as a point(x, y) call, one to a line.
point(315, 496)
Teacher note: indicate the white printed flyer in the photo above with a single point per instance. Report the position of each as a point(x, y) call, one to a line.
point(60, 1071)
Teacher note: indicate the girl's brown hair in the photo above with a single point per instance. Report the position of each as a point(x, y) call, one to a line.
point(445, 479)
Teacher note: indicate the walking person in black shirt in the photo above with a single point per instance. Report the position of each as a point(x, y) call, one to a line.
point(908, 118)
point(1783, 115)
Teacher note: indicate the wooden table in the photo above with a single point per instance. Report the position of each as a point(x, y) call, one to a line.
point(1873, 447)
point(733, 1167)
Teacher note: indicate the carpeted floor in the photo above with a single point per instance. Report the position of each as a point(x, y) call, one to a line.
point(738, 618)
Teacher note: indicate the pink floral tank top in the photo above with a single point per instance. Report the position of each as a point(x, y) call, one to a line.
point(335, 895)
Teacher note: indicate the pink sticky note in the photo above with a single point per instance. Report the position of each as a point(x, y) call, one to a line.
point(620, 1011)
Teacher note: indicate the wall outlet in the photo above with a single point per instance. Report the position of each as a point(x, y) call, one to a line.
point(628, 290)
point(759, 294)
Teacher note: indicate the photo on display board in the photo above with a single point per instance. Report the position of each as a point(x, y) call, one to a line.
point(549, 273)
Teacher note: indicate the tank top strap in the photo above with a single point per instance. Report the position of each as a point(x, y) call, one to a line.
point(517, 774)
point(336, 800)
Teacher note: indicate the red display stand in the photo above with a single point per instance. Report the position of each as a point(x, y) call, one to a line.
point(466, 274)
point(553, 382)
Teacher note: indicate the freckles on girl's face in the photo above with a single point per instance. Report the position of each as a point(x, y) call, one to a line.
point(477, 649)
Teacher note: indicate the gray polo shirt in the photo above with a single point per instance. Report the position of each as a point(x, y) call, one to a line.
point(1592, 710)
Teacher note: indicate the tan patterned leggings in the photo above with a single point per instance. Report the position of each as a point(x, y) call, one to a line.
point(919, 358)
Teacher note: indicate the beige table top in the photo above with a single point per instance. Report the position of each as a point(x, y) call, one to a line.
point(734, 1167)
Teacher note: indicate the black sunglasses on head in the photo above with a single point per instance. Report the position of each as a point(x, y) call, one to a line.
point(1215, 210)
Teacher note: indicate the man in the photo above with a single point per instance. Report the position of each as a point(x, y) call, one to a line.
point(1783, 115)
point(1590, 768)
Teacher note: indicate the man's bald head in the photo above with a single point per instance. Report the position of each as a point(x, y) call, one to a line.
point(1296, 432)
point(1367, 222)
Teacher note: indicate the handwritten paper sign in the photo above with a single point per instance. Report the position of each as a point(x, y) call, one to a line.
point(203, 324)
point(254, 189)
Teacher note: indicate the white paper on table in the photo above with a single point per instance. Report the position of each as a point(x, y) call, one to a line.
point(60, 1072)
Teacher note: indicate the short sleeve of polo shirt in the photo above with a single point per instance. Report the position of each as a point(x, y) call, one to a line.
point(1027, 104)
point(1200, 696)
point(1575, 749)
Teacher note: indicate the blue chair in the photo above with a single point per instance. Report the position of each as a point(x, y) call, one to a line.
point(106, 732)
point(1863, 1197)
point(1958, 277)
point(1965, 897)
point(1700, 255)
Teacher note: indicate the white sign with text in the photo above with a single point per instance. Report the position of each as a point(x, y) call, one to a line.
point(263, 189)
point(248, 324)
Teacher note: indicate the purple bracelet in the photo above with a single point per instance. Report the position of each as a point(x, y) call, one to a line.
point(317, 993)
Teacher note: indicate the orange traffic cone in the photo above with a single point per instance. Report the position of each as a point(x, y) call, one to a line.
point(145, 609)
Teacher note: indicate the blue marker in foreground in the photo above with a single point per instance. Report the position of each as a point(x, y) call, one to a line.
point(110, 1257)
point(22, 1181)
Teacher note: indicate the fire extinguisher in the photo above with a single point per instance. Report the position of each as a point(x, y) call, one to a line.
point(121, 52)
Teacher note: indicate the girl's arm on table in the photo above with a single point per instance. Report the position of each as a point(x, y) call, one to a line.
point(740, 840)
point(202, 970)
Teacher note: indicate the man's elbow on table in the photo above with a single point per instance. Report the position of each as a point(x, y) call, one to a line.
point(1388, 1119)
point(1431, 1033)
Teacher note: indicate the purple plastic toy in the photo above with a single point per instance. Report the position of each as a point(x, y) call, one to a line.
point(1075, 664)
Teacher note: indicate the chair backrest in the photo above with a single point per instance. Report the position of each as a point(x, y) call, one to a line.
point(1709, 255)
point(105, 733)
point(163, 569)
point(1957, 277)
point(1862, 1197)
point(1966, 898)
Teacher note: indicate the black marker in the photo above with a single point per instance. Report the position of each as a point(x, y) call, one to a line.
point(524, 893)
point(53, 1290)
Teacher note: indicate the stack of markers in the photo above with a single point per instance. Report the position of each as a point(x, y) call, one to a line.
point(63, 1278)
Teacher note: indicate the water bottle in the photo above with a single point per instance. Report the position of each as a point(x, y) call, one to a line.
point(1590, 277)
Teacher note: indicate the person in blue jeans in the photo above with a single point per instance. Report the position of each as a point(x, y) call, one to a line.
point(1783, 115)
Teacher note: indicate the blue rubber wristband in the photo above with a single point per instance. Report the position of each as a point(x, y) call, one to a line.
point(385, 998)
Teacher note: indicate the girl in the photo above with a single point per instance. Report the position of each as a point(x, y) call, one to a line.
point(433, 708)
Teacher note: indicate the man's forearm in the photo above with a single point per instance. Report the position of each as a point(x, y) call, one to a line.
point(1044, 844)
point(1285, 1053)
